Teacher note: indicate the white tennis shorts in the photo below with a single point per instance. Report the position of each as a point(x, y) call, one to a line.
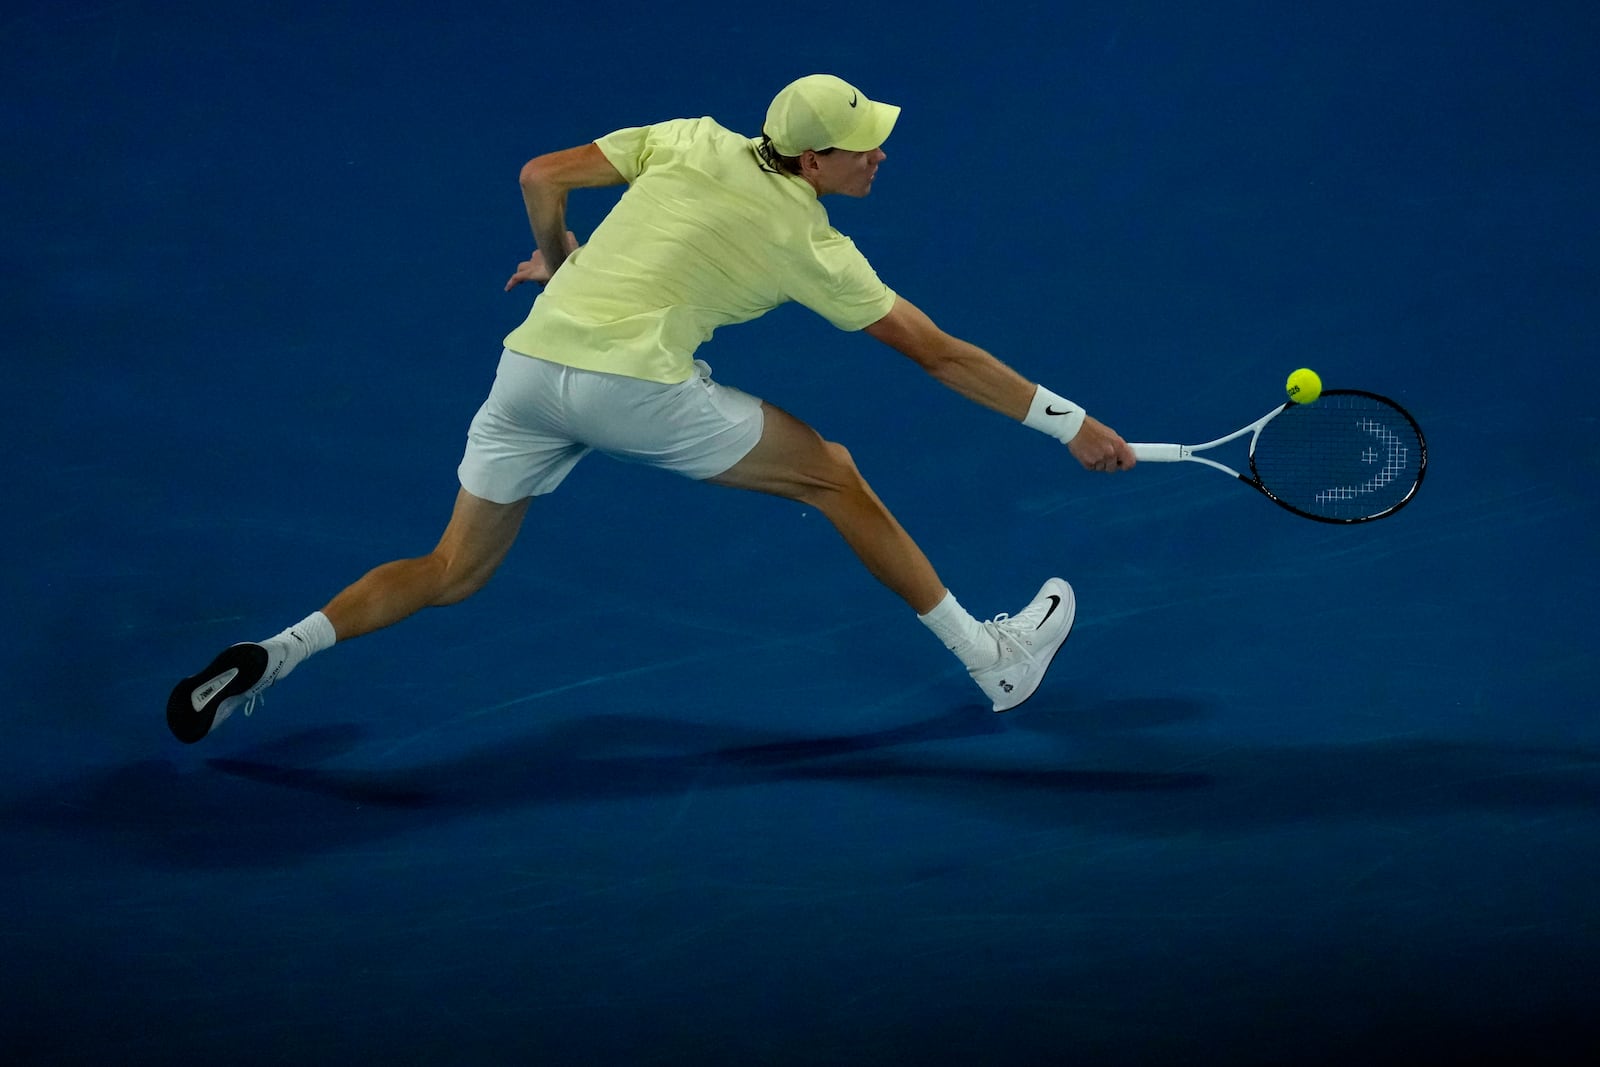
point(541, 418)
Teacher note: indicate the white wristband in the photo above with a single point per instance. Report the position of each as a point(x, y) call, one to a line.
point(1054, 415)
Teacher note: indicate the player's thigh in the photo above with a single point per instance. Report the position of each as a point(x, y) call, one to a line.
point(791, 459)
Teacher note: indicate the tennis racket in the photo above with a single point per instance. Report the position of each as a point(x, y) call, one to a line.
point(1349, 456)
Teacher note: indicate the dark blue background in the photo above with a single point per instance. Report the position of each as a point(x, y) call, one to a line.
point(684, 785)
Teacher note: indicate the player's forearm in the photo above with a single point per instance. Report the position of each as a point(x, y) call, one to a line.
point(981, 378)
point(547, 217)
point(961, 365)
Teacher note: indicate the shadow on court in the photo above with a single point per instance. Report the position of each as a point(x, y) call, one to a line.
point(281, 801)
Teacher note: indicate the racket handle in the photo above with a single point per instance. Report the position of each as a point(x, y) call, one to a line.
point(1153, 453)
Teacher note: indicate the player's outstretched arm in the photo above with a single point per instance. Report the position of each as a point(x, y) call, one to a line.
point(962, 366)
point(983, 379)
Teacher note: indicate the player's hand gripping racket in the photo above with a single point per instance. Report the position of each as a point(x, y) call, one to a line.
point(1349, 456)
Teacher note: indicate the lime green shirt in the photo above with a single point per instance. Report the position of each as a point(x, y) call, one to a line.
point(703, 237)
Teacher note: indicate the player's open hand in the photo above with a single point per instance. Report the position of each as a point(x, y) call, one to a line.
point(1099, 448)
point(536, 269)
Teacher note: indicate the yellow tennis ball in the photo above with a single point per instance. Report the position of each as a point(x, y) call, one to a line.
point(1304, 386)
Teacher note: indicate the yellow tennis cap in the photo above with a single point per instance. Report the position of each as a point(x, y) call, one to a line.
point(820, 111)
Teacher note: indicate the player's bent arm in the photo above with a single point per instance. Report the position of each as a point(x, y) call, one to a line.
point(545, 182)
point(980, 377)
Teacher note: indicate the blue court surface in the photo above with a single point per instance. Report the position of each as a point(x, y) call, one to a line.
point(684, 785)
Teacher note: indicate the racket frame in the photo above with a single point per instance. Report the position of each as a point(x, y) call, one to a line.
point(1149, 452)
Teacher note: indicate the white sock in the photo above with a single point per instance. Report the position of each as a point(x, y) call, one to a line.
point(962, 634)
point(314, 633)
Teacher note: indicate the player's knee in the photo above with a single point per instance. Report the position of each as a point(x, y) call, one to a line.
point(460, 579)
point(842, 464)
point(836, 474)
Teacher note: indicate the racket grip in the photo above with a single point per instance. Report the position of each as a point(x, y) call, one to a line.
point(1154, 453)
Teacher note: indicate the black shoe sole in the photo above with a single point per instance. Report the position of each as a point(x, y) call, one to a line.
point(189, 725)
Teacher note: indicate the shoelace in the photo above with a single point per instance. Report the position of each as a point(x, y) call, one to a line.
point(1005, 639)
point(268, 679)
point(1003, 623)
point(1011, 635)
point(250, 702)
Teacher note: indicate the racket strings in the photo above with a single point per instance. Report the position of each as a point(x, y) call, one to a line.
point(1348, 457)
point(1393, 459)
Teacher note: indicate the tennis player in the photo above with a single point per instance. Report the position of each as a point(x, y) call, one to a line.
point(715, 228)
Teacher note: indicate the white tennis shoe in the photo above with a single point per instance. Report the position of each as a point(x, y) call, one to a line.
point(1028, 642)
point(235, 679)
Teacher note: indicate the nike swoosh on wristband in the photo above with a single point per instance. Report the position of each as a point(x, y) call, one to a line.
point(1048, 410)
point(1055, 602)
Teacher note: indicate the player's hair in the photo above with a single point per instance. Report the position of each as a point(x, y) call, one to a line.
point(782, 164)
